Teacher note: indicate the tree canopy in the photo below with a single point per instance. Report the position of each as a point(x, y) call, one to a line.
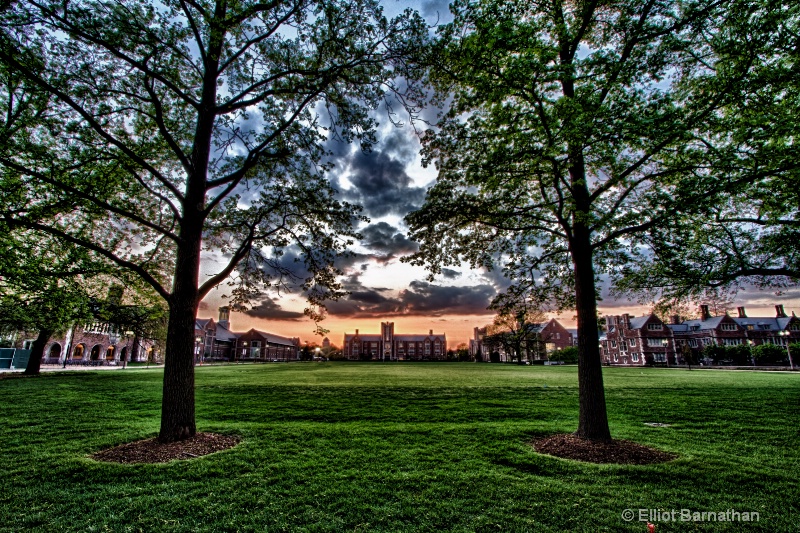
point(166, 131)
point(570, 129)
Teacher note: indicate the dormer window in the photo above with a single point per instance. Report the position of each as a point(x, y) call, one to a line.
point(794, 327)
point(654, 327)
point(728, 327)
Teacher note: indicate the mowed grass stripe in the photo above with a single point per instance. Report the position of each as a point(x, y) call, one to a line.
point(397, 447)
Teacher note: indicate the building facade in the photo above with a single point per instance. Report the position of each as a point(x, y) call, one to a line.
point(540, 341)
point(215, 341)
point(390, 346)
point(648, 340)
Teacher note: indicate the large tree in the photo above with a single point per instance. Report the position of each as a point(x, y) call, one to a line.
point(176, 128)
point(564, 136)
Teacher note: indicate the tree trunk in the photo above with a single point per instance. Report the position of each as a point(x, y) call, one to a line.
point(592, 417)
point(37, 352)
point(177, 403)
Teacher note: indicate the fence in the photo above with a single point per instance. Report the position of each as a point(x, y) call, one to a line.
point(13, 358)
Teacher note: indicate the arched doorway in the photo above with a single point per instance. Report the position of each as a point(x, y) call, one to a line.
point(110, 353)
point(55, 351)
point(95, 353)
point(77, 353)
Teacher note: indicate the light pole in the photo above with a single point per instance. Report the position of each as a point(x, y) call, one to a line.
point(752, 355)
point(665, 344)
point(788, 351)
point(197, 340)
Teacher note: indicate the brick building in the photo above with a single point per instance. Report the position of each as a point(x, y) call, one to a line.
point(543, 339)
point(637, 341)
point(648, 340)
point(389, 346)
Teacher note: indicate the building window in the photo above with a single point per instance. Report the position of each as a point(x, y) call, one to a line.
point(731, 342)
point(695, 328)
point(613, 344)
point(632, 342)
point(635, 357)
point(693, 343)
point(729, 327)
point(616, 358)
point(655, 343)
point(750, 327)
point(794, 327)
point(558, 336)
point(660, 357)
point(763, 326)
point(654, 327)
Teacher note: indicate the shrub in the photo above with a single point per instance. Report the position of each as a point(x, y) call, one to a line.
point(568, 355)
point(767, 354)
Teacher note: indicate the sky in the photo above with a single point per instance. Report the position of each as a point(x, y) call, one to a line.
point(389, 182)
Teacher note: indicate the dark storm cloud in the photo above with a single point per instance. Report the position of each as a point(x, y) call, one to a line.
point(382, 186)
point(450, 274)
point(384, 237)
point(420, 299)
point(270, 310)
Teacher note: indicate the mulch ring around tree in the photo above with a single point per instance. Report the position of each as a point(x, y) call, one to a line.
point(621, 452)
point(152, 451)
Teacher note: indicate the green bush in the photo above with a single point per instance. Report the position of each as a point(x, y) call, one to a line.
point(767, 354)
point(568, 355)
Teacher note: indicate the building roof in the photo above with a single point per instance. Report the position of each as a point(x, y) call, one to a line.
point(418, 338)
point(224, 334)
point(363, 336)
point(638, 322)
point(774, 323)
point(711, 323)
point(271, 337)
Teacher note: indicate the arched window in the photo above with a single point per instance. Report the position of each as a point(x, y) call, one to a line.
point(78, 352)
point(95, 353)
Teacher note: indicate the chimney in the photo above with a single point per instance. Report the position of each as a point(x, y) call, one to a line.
point(356, 333)
point(779, 312)
point(430, 332)
point(676, 319)
point(224, 317)
point(742, 314)
point(704, 314)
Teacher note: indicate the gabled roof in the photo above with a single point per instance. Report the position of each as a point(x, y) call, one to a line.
point(224, 334)
point(638, 322)
point(270, 337)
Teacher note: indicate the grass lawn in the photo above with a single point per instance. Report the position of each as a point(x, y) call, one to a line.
point(398, 447)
